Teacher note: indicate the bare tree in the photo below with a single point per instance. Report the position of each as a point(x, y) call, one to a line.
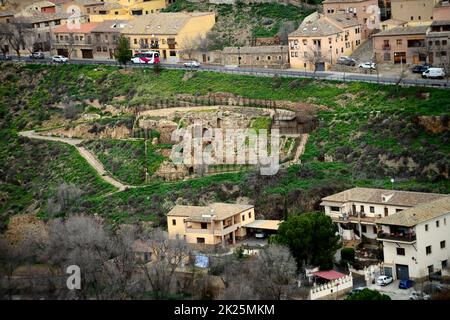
point(285, 29)
point(190, 46)
point(15, 33)
point(444, 60)
point(314, 57)
point(66, 195)
point(168, 255)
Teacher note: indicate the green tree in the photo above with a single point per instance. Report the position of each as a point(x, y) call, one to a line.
point(123, 53)
point(368, 294)
point(311, 238)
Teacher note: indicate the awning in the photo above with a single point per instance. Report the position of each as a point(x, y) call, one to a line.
point(263, 224)
point(329, 275)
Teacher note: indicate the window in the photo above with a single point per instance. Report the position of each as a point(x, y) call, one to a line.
point(428, 250)
point(400, 251)
point(374, 230)
point(362, 208)
point(437, 224)
point(443, 244)
point(174, 221)
point(172, 53)
point(249, 215)
point(426, 227)
point(398, 210)
point(135, 41)
point(335, 208)
point(444, 42)
point(387, 56)
point(437, 42)
point(204, 225)
point(364, 229)
point(444, 264)
point(445, 221)
point(399, 42)
point(200, 240)
point(243, 218)
point(372, 209)
point(268, 57)
point(305, 42)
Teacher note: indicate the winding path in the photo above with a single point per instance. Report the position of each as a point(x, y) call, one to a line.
point(85, 153)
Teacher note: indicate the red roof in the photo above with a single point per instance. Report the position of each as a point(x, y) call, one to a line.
point(329, 275)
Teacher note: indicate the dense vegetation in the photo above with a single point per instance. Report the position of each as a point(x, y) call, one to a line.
point(360, 123)
point(239, 24)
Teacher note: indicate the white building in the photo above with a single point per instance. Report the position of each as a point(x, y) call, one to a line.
point(416, 241)
point(357, 210)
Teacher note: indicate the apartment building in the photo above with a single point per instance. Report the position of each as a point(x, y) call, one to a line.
point(438, 36)
point(356, 211)
point(365, 11)
point(105, 38)
point(318, 43)
point(412, 10)
point(74, 42)
point(403, 44)
point(416, 241)
point(217, 223)
point(168, 33)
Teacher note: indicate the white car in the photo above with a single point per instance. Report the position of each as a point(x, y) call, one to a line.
point(419, 296)
point(434, 73)
point(59, 59)
point(384, 280)
point(367, 65)
point(191, 64)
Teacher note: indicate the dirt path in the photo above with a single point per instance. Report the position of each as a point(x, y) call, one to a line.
point(299, 151)
point(86, 154)
point(170, 111)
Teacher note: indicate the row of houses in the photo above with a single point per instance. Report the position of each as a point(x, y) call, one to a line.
point(413, 227)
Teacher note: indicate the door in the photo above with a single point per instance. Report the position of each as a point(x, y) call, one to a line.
point(399, 57)
point(353, 209)
point(402, 271)
point(87, 54)
point(164, 54)
point(388, 271)
point(204, 57)
point(320, 66)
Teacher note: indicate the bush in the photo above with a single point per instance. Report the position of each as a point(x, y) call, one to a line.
point(348, 254)
point(368, 294)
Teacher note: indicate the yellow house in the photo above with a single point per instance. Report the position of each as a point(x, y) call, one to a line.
point(143, 7)
point(217, 223)
point(413, 10)
point(168, 33)
point(317, 44)
point(101, 11)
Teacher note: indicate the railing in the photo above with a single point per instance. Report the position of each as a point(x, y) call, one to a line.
point(227, 230)
point(409, 237)
point(386, 47)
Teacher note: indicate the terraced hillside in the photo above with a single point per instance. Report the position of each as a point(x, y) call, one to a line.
point(366, 135)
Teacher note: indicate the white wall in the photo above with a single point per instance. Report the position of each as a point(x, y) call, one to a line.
point(334, 287)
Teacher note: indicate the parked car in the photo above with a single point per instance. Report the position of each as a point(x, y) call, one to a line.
point(419, 296)
point(61, 59)
point(5, 57)
point(37, 55)
point(191, 64)
point(260, 235)
point(405, 284)
point(420, 68)
point(434, 73)
point(346, 61)
point(384, 280)
point(356, 290)
point(367, 65)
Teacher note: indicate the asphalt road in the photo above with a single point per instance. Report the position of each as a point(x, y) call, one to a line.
point(323, 75)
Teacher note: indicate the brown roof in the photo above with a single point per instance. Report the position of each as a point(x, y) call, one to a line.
point(83, 28)
point(393, 21)
point(110, 26)
point(398, 31)
point(421, 213)
point(35, 18)
point(257, 49)
point(220, 210)
point(392, 197)
point(264, 224)
point(161, 23)
point(320, 27)
point(343, 20)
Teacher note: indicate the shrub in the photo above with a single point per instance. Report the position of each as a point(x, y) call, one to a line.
point(348, 254)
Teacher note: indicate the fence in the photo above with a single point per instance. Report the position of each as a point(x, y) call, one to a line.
point(320, 75)
point(334, 287)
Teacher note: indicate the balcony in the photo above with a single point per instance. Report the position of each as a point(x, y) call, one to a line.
point(397, 237)
point(386, 47)
point(356, 217)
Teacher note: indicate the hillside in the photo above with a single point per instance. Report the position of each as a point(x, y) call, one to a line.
point(238, 25)
point(366, 134)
